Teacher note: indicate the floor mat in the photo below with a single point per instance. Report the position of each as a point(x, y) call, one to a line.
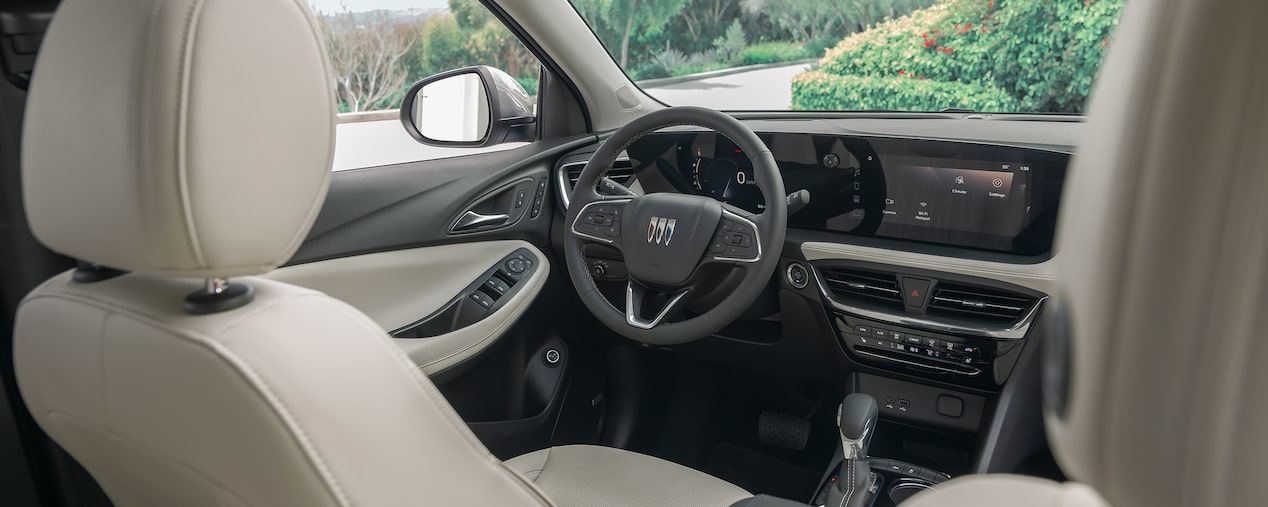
point(762, 474)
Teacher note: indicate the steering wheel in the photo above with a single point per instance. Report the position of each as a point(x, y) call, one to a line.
point(666, 238)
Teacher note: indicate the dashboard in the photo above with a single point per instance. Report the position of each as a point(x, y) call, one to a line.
point(950, 193)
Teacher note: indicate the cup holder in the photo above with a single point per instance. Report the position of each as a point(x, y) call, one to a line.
point(906, 487)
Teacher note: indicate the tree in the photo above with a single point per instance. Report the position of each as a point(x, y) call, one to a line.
point(365, 57)
point(638, 15)
point(807, 20)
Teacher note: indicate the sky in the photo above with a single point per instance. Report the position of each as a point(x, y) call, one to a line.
point(330, 6)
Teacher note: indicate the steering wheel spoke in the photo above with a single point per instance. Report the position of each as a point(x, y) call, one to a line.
point(600, 221)
point(737, 240)
point(636, 298)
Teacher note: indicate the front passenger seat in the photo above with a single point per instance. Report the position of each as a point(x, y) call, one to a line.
point(189, 141)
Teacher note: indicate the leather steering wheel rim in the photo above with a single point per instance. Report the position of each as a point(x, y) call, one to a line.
point(770, 226)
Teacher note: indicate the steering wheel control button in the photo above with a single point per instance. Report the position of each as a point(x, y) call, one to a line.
point(915, 292)
point(798, 277)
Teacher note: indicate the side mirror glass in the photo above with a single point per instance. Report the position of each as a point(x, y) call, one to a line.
point(472, 106)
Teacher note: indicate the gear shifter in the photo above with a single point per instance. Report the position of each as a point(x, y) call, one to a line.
point(856, 418)
point(856, 485)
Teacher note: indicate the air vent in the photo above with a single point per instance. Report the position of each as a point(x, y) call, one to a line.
point(860, 285)
point(977, 303)
point(622, 172)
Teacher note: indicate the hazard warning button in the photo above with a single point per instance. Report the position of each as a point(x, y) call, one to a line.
point(915, 292)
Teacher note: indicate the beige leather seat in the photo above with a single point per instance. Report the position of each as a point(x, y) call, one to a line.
point(186, 140)
point(1163, 253)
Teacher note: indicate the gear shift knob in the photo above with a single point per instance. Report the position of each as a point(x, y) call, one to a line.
point(857, 420)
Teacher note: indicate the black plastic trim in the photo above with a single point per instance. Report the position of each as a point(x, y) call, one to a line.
point(465, 309)
point(396, 207)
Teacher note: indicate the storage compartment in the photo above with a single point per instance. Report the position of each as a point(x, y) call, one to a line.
point(922, 425)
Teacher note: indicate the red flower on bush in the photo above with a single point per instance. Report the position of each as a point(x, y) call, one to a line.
point(930, 43)
point(983, 29)
point(990, 4)
point(902, 72)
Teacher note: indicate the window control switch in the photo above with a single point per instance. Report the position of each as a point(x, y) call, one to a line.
point(497, 285)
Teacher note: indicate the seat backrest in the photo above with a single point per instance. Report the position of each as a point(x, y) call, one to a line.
point(194, 139)
point(1155, 392)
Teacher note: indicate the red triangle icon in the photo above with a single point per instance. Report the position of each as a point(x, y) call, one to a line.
point(915, 294)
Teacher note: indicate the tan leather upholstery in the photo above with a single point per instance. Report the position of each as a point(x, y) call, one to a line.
point(140, 155)
point(385, 286)
point(1163, 249)
point(1002, 490)
point(585, 476)
point(295, 399)
point(194, 137)
point(1161, 266)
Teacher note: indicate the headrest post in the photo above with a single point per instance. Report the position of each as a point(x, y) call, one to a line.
point(218, 295)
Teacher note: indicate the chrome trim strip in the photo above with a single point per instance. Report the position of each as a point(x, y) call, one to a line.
point(637, 322)
point(976, 371)
point(788, 275)
point(757, 239)
point(1016, 332)
point(978, 304)
point(573, 228)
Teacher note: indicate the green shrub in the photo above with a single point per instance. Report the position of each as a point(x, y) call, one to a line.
point(816, 90)
point(771, 52)
point(652, 71)
point(670, 59)
point(698, 67)
point(730, 45)
point(529, 84)
point(1044, 54)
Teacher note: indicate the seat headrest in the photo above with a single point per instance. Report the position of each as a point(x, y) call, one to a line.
point(1156, 389)
point(179, 137)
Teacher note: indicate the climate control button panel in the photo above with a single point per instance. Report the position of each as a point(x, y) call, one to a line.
point(978, 361)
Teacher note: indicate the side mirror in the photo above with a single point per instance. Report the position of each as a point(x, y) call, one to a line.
point(471, 106)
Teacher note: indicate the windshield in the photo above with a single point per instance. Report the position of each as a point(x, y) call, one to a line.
point(1029, 56)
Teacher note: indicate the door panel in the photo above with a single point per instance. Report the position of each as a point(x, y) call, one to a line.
point(409, 205)
point(399, 288)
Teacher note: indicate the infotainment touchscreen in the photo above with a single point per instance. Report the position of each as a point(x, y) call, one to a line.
point(986, 197)
point(931, 203)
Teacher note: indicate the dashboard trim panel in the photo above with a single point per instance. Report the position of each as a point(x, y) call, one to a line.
point(1017, 331)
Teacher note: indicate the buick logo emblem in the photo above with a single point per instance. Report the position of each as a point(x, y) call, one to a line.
point(660, 230)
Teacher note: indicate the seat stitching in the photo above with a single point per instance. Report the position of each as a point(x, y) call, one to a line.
point(192, 19)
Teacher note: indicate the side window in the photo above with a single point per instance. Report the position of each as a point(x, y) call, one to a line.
point(379, 48)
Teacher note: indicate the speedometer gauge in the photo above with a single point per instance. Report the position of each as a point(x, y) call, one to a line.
point(713, 177)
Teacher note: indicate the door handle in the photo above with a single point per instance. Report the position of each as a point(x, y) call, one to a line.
point(472, 220)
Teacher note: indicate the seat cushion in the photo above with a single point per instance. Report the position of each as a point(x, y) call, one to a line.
point(1005, 490)
point(588, 475)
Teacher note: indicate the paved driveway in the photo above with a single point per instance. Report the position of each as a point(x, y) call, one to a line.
point(765, 89)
